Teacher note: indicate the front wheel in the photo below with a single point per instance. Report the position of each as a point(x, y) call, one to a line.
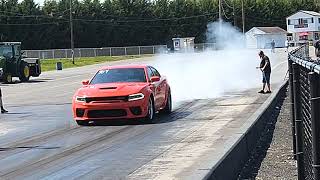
point(7, 78)
point(151, 111)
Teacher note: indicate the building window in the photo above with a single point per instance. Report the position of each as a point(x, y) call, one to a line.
point(319, 20)
point(289, 22)
point(316, 36)
point(304, 37)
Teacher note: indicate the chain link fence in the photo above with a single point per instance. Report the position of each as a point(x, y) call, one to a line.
point(94, 52)
point(112, 51)
point(304, 81)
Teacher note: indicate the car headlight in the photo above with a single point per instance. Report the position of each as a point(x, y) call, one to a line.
point(134, 97)
point(80, 99)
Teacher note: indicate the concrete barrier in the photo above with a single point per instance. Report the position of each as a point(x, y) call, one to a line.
point(231, 164)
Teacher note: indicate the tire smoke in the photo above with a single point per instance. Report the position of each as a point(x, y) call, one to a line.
point(212, 73)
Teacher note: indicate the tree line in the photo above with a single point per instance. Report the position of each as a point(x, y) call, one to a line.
point(132, 22)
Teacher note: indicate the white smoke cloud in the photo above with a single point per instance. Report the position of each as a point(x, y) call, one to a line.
point(210, 74)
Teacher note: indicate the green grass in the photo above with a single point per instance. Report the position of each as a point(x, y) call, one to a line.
point(50, 64)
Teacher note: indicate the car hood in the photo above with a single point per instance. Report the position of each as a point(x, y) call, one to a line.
point(111, 89)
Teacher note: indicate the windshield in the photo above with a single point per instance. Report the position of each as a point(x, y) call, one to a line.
point(119, 75)
point(5, 50)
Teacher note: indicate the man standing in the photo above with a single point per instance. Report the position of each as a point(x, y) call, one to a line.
point(286, 44)
point(317, 48)
point(273, 45)
point(265, 68)
point(1, 104)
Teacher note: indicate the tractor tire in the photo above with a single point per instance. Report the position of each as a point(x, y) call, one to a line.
point(24, 72)
point(7, 78)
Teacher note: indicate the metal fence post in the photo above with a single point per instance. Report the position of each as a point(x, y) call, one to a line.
point(298, 121)
point(53, 54)
point(110, 51)
point(95, 52)
point(315, 123)
point(292, 117)
point(125, 51)
point(152, 49)
point(139, 51)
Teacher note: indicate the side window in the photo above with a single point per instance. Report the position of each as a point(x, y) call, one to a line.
point(155, 72)
point(6, 51)
point(150, 73)
point(17, 51)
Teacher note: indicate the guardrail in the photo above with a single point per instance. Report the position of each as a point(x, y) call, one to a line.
point(304, 82)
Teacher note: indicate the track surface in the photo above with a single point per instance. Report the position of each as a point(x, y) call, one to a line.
point(39, 140)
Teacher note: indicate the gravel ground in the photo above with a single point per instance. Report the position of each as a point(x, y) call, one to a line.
point(272, 158)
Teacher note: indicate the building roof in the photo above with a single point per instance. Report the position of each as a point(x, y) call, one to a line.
point(272, 30)
point(312, 13)
point(10, 43)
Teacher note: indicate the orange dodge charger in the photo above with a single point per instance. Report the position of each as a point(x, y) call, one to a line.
point(122, 92)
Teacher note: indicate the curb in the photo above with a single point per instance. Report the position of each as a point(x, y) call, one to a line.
point(231, 164)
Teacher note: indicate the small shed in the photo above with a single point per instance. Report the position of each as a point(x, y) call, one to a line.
point(261, 37)
point(183, 44)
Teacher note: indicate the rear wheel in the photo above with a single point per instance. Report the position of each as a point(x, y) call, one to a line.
point(151, 111)
point(168, 108)
point(24, 72)
point(83, 123)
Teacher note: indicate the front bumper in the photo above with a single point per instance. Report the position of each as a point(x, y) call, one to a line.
point(113, 110)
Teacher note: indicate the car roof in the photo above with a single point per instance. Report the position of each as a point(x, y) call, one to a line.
point(123, 66)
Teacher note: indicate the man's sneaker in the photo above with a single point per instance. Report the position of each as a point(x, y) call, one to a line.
point(3, 111)
point(268, 92)
point(262, 92)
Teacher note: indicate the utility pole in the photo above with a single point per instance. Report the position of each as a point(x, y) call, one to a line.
point(220, 14)
point(234, 14)
point(71, 33)
point(243, 18)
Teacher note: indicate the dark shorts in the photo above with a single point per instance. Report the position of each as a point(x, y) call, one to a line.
point(266, 77)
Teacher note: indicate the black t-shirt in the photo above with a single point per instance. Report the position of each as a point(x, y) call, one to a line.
point(317, 44)
point(265, 60)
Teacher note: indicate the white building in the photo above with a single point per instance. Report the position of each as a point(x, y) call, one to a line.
point(183, 44)
point(304, 26)
point(261, 37)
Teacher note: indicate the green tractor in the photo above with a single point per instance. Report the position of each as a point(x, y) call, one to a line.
point(13, 64)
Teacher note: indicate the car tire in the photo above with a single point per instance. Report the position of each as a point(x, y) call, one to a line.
point(83, 123)
point(151, 111)
point(24, 72)
point(168, 108)
point(7, 78)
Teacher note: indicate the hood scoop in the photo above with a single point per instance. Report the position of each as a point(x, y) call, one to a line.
point(105, 88)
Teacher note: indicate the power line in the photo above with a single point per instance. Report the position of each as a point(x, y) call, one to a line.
point(37, 24)
point(231, 7)
point(224, 13)
point(144, 20)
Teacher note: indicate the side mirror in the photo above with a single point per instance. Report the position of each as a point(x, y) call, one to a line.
point(155, 78)
point(85, 82)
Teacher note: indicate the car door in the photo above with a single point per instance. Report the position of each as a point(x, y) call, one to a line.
point(155, 88)
point(162, 86)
